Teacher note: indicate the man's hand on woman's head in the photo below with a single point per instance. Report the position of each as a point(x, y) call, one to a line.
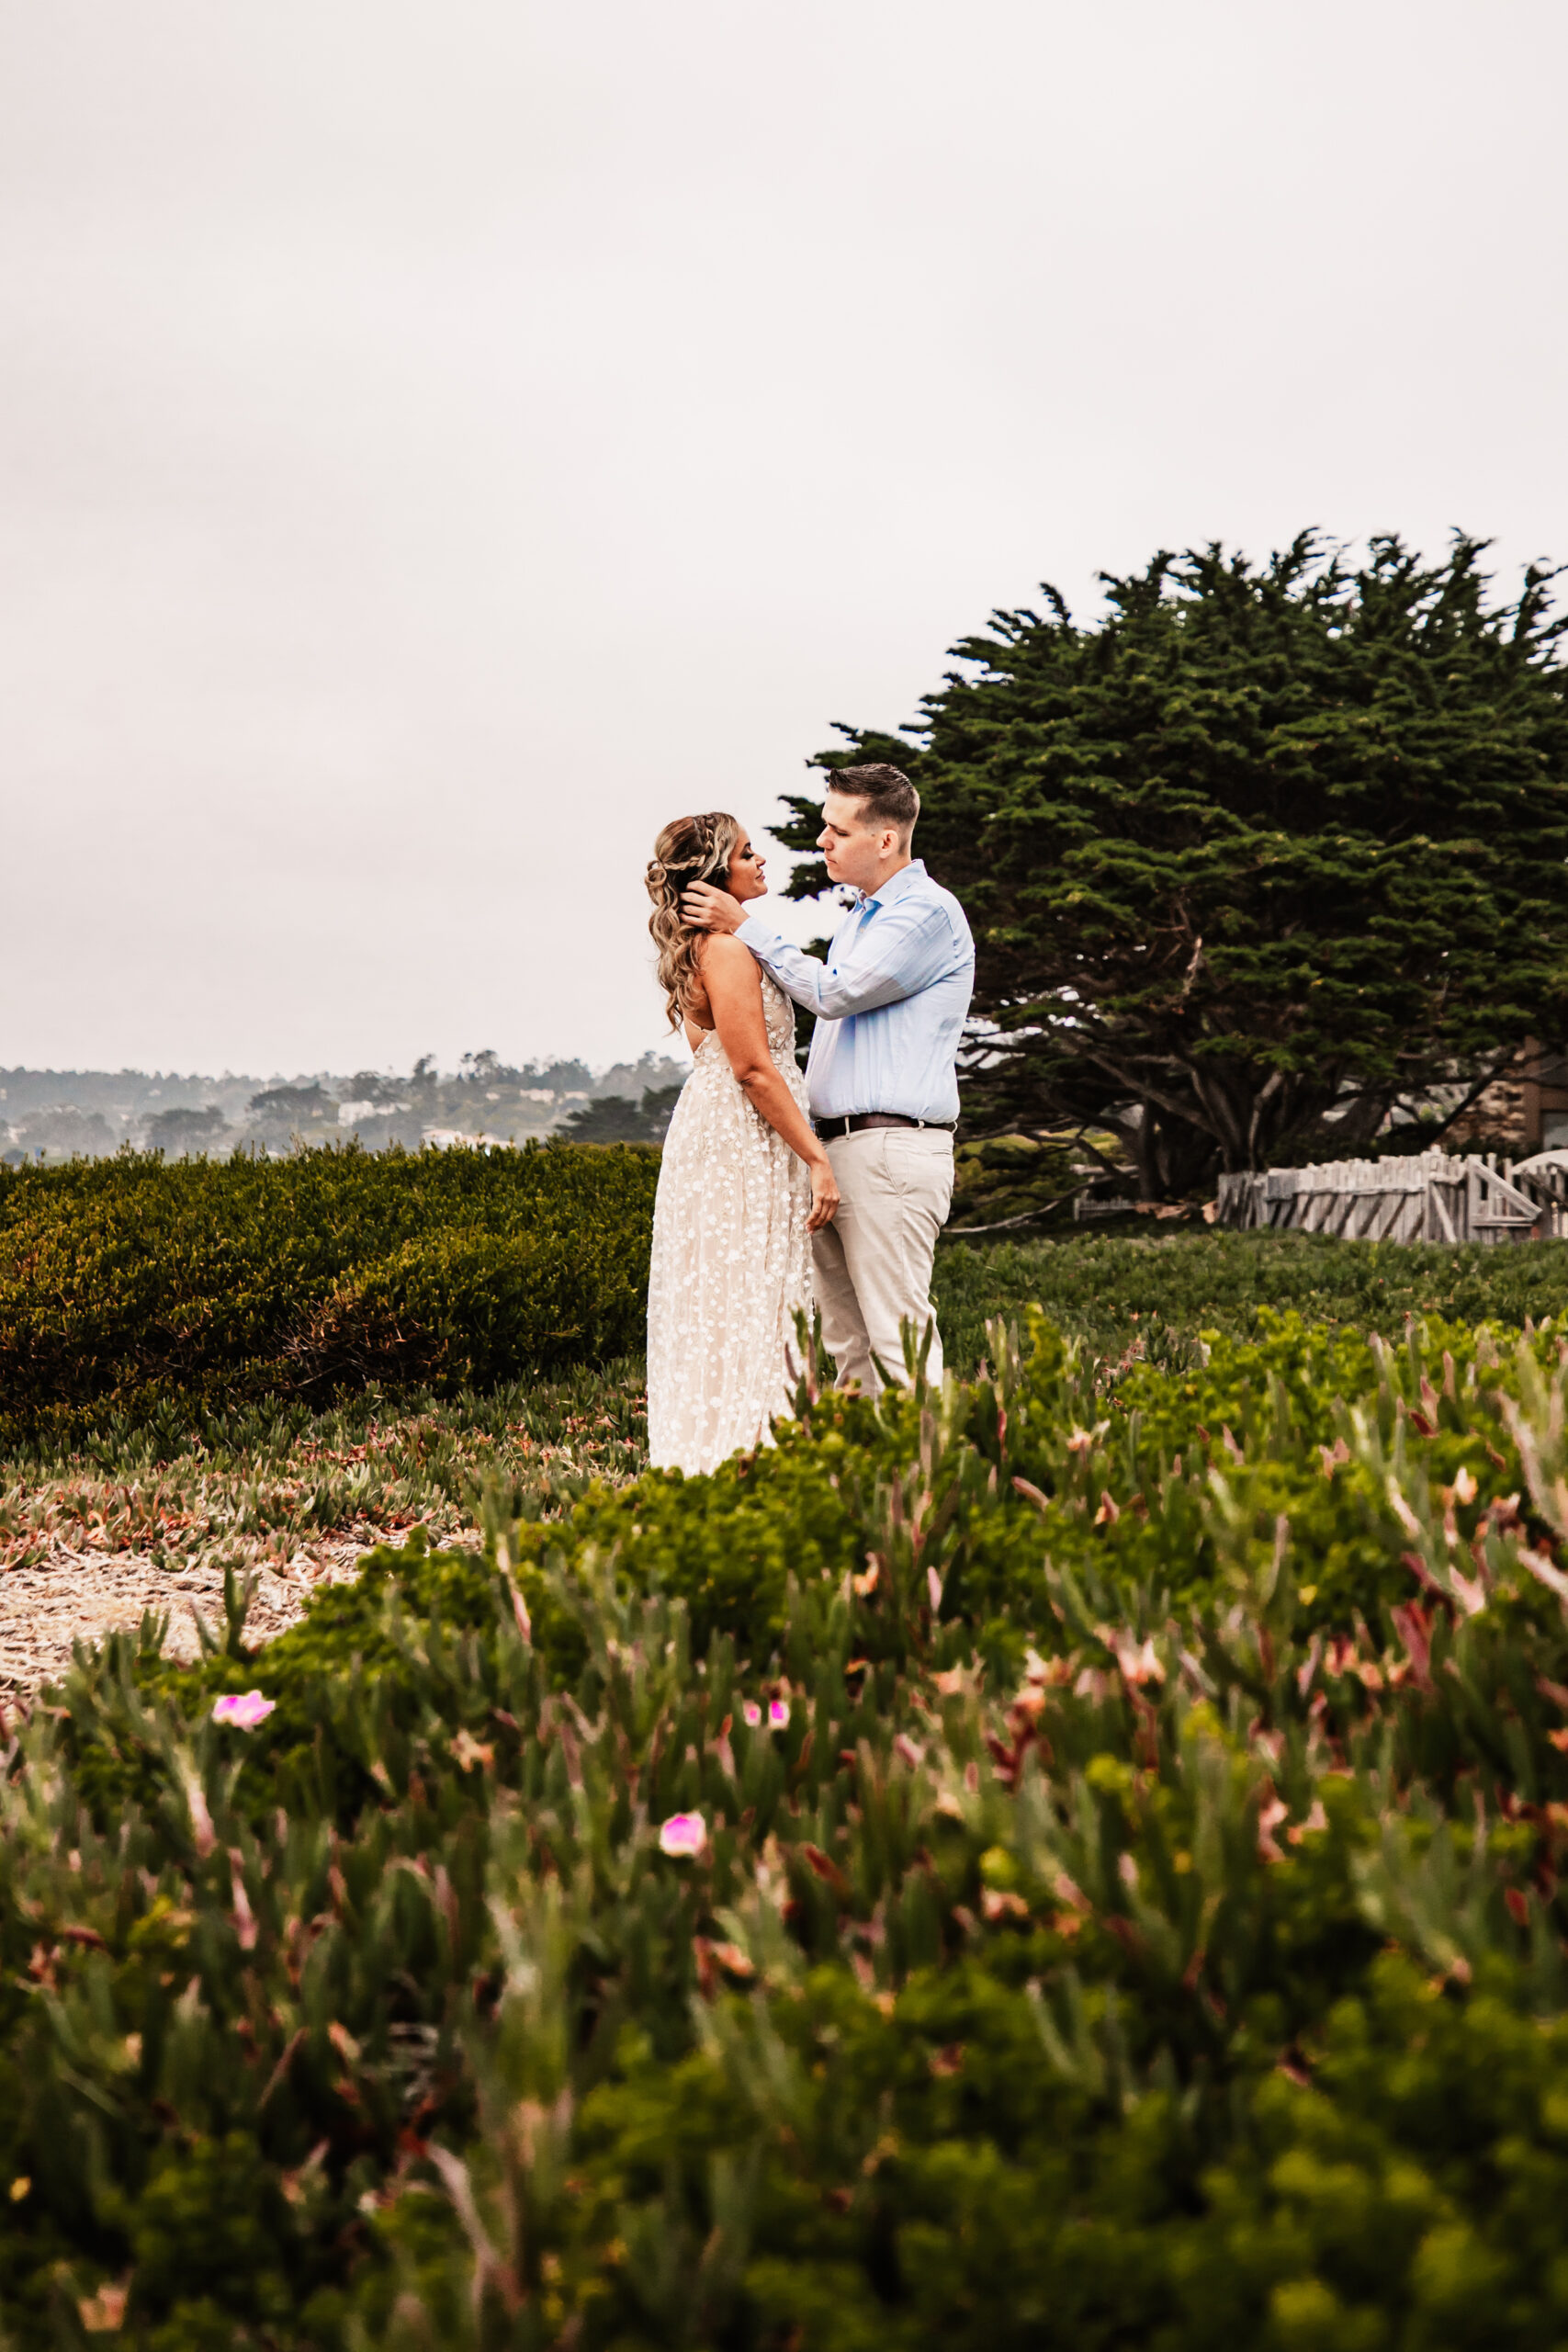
point(706, 908)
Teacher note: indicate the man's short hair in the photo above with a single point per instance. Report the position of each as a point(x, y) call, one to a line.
point(885, 792)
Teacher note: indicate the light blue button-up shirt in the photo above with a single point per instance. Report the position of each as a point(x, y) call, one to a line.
point(890, 1001)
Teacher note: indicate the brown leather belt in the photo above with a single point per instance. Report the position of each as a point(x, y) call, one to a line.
point(831, 1129)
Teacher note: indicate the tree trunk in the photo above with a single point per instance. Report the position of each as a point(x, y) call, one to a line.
point(1173, 1156)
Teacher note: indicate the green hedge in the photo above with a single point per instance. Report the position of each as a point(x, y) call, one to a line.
point(1102, 1287)
point(125, 1280)
point(1146, 1928)
point(133, 1288)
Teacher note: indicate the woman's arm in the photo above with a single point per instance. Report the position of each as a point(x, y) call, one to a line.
point(734, 988)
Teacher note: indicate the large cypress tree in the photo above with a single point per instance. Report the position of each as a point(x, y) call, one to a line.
point(1259, 844)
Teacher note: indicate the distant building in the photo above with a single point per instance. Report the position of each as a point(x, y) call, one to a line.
point(449, 1139)
point(1544, 1085)
point(1524, 1109)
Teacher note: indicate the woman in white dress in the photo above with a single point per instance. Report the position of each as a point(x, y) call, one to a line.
point(744, 1180)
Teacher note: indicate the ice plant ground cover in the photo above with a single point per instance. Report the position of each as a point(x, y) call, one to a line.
point(1070, 1860)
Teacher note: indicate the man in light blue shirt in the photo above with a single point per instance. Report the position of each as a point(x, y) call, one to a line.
point(890, 1003)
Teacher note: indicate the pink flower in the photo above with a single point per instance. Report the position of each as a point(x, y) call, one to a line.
point(684, 1837)
point(244, 1710)
point(778, 1714)
point(751, 1714)
point(1138, 1665)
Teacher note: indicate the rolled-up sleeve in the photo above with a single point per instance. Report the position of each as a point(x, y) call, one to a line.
point(902, 949)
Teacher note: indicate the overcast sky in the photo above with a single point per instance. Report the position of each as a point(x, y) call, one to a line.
point(439, 442)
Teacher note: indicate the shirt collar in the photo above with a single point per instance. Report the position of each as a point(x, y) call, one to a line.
point(895, 885)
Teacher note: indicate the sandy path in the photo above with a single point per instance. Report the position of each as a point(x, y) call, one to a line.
point(73, 1595)
point(86, 1547)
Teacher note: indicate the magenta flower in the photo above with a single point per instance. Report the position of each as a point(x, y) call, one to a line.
point(778, 1714)
point(243, 1709)
point(751, 1714)
point(684, 1837)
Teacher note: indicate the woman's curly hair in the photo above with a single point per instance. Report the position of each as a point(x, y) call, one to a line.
point(691, 849)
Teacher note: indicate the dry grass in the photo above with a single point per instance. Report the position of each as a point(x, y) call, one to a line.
point(142, 1520)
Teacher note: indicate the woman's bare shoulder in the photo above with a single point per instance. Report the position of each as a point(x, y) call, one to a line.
point(722, 957)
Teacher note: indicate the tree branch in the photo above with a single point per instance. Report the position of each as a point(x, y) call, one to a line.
point(1475, 1094)
point(1008, 1224)
point(1140, 1086)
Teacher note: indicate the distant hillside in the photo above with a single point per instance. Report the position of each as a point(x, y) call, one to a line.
point(57, 1113)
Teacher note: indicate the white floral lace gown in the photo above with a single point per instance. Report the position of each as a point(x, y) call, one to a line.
point(731, 1261)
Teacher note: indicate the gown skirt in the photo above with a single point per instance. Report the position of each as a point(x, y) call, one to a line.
point(731, 1265)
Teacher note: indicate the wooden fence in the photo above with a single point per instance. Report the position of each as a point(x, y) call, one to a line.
point(1428, 1197)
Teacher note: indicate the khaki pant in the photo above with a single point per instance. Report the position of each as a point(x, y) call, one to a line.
point(872, 1265)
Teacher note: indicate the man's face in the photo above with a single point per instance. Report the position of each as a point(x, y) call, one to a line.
point(854, 853)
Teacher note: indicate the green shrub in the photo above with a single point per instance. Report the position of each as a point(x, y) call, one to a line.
point(464, 1308)
point(126, 1281)
point(1169, 1482)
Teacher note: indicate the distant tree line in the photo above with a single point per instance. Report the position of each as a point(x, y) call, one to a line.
point(39, 1118)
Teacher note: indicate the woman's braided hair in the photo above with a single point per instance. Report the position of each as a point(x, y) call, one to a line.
point(691, 849)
